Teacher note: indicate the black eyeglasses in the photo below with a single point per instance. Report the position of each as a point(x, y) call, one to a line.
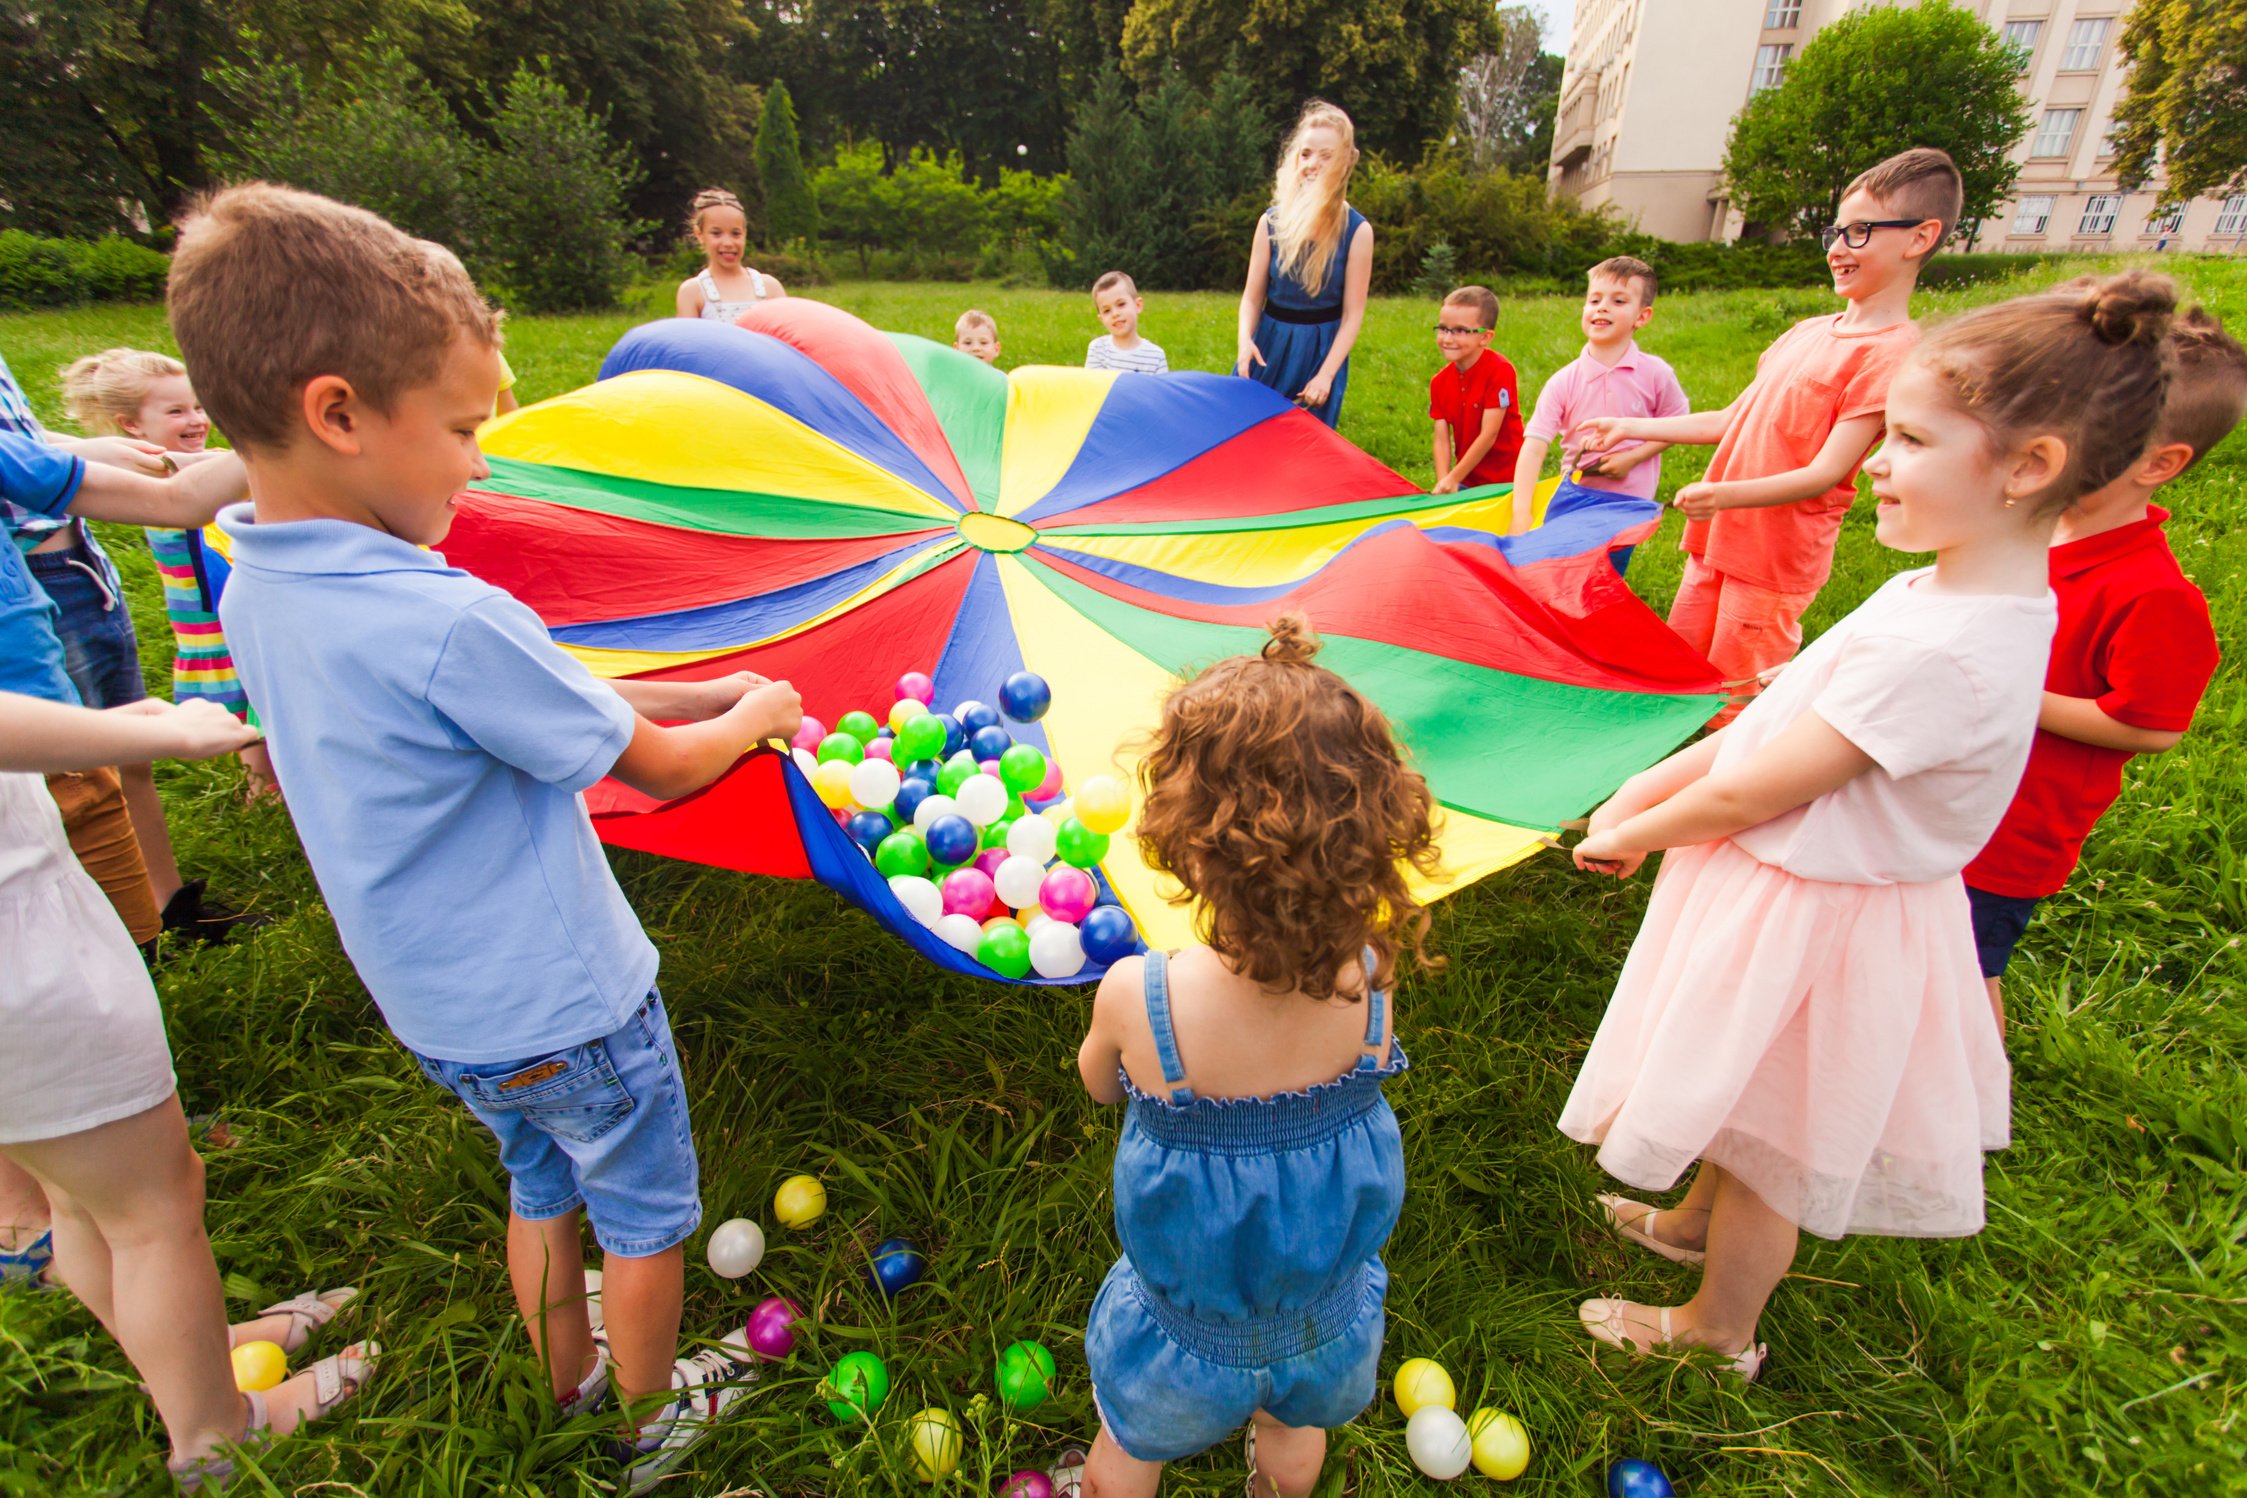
point(1859, 234)
point(1444, 327)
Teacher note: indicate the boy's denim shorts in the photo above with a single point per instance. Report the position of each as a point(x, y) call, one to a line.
point(1999, 921)
point(602, 1125)
point(99, 649)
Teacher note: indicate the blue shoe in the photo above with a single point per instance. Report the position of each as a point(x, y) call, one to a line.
point(26, 1267)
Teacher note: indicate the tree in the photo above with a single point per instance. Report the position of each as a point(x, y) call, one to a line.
point(791, 212)
point(1392, 64)
point(1875, 82)
point(1111, 179)
point(1497, 91)
point(554, 189)
point(2186, 108)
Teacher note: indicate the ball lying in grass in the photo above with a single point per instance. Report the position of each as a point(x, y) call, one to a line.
point(855, 1387)
point(1501, 1444)
point(1634, 1478)
point(1024, 1376)
point(1421, 1382)
point(259, 1366)
point(799, 1201)
point(1436, 1438)
point(934, 1437)
point(736, 1248)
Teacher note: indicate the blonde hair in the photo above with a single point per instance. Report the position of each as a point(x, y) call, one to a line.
point(1110, 280)
point(1627, 269)
point(707, 199)
point(1307, 226)
point(975, 320)
point(104, 391)
point(271, 288)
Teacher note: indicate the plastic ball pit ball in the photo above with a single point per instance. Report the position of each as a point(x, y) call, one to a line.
point(1634, 1478)
point(868, 829)
point(736, 1248)
point(921, 899)
point(1024, 1376)
point(859, 725)
point(934, 1437)
point(1022, 768)
point(259, 1366)
point(917, 686)
point(842, 746)
point(1026, 1485)
point(960, 931)
point(855, 1387)
point(808, 733)
point(976, 716)
point(1102, 804)
point(1056, 950)
point(989, 743)
point(799, 1202)
point(1501, 1445)
point(1108, 934)
point(897, 1265)
point(982, 799)
point(951, 839)
point(1436, 1439)
point(1005, 948)
point(1034, 838)
point(967, 892)
point(1421, 1382)
point(921, 738)
point(771, 1329)
point(1067, 894)
point(1079, 845)
point(903, 852)
point(904, 710)
point(831, 780)
point(875, 783)
point(1024, 697)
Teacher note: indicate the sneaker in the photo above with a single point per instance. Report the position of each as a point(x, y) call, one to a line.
point(593, 1391)
point(188, 914)
point(706, 1387)
point(26, 1267)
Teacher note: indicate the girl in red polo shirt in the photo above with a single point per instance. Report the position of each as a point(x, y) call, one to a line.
point(1802, 1012)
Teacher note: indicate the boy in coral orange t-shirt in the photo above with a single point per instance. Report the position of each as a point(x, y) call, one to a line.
point(1761, 522)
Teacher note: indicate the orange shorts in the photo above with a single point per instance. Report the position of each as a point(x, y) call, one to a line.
point(92, 803)
point(1744, 630)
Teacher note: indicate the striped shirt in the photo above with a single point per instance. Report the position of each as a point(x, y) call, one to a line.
point(1143, 357)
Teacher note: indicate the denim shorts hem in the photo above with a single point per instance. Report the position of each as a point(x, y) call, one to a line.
point(648, 1248)
point(543, 1212)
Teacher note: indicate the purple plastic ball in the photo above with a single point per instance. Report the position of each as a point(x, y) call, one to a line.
point(1026, 1485)
point(771, 1329)
point(988, 862)
point(1067, 893)
point(916, 685)
point(968, 892)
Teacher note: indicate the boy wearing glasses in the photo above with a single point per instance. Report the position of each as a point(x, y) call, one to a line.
point(1761, 522)
point(1475, 399)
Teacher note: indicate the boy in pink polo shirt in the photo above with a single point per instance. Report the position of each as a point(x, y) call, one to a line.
point(1762, 521)
point(1612, 377)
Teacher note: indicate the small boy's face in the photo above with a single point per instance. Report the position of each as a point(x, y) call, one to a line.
point(416, 457)
point(979, 343)
point(1119, 311)
point(1875, 265)
point(1614, 309)
point(1460, 335)
point(171, 417)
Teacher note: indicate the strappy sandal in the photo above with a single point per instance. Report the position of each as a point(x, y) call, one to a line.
point(27, 1266)
point(309, 1312)
point(1248, 1454)
point(1067, 1472)
point(1609, 1321)
point(1639, 1229)
point(334, 1380)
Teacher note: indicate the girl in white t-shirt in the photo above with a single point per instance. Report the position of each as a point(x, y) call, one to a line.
point(724, 288)
point(1802, 1011)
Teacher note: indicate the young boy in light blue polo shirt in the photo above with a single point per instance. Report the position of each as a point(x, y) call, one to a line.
point(433, 742)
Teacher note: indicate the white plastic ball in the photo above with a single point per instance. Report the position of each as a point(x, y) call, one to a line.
point(1034, 919)
point(919, 896)
point(982, 799)
point(874, 782)
point(1437, 1439)
point(1018, 880)
point(962, 931)
point(737, 1247)
point(806, 761)
point(932, 807)
point(1056, 951)
point(1034, 838)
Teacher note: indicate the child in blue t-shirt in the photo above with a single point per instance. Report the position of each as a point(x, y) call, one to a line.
point(434, 742)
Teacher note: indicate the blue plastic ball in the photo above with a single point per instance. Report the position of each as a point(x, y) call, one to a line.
point(1108, 934)
point(911, 792)
point(868, 828)
point(1025, 697)
point(1634, 1478)
point(923, 769)
point(990, 743)
point(952, 839)
point(897, 1264)
point(974, 715)
point(955, 736)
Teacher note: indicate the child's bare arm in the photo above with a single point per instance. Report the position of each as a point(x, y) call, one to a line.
point(1705, 428)
point(1529, 472)
point(2083, 720)
point(1844, 448)
point(1492, 422)
point(1616, 464)
point(685, 701)
point(38, 736)
point(1440, 457)
point(667, 763)
point(187, 500)
point(1100, 1058)
point(690, 297)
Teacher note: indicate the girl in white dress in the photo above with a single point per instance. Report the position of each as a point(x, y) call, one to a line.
point(724, 288)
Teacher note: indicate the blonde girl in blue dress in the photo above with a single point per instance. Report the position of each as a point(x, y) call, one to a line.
point(1309, 269)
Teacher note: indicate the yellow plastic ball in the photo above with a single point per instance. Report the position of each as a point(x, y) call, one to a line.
point(936, 1443)
point(1501, 1445)
point(995, 922)
point(800, 1201)
point(259, 1366)
point(1421, 1382)
point(903, 711)
point(1103, 804)
point(832, 781)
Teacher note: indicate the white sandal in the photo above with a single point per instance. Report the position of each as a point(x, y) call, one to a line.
point(1639, 1229)
point(334, 1380)
point(1609, 1321)
point(1067, 1476)
point(309, 1312)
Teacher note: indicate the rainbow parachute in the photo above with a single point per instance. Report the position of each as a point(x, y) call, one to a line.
point(808, 498)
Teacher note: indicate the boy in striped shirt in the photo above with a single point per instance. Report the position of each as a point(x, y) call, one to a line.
point(1117, 301)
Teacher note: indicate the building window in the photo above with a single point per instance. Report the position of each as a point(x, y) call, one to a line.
point(2020, 39)
point(1769, 62)
point(2162, 224)
point(2106, 141)
point(2233, 217)
point(2098, 214)
point(2057, 133)
point(2086, 40)
point(2032, 213)
point(1782, 15)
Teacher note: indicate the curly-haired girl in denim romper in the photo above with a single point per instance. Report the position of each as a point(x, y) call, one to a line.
point(1260, 1169)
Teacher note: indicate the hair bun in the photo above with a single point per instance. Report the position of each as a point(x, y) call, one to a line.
point(2134, 307)
point(1293, 640)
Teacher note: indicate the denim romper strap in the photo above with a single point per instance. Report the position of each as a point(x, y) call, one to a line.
point(1157, 986)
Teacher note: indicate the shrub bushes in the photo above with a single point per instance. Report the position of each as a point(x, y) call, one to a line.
point(36, 272)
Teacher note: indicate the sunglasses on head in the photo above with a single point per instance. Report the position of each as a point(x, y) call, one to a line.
point(1444, 327)
point(1860, 234)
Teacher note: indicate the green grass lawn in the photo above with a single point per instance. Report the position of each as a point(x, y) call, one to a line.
point(2090, 1339)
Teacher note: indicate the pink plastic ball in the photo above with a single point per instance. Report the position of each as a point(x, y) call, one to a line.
point(771, 1329)
point(916, 685)
point(1027, 1485)
point(989, 860)
point(968, 892)
point(990, 767)
point(1049, 787)
point(1068, 894)
point(808, 736)
point(882, 749)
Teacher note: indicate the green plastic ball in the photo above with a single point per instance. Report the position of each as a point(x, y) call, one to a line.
point(921, 738)
point(860, 726)
point(1025, 1376)
point(1022, 768)
point(994, 836)
point(1079, 846)
point(855, 1387)
point(902, 852)
point(956, 772)
point(846, 747)
point(1005, 949)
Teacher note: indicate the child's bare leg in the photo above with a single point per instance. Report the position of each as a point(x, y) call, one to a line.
point(257, 763)
point(129, 1242)
point(1750, 1249)
point(546, 1266)
point(23, 1206)
point(1288, 1458)
point(1112, 1472)
point(150, 830)
point(1997, 1002)
point(641, 1299)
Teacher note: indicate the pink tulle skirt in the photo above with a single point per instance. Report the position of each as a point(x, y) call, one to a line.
point(1831, 1045)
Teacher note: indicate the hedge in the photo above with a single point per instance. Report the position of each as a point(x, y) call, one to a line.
point(38, 272)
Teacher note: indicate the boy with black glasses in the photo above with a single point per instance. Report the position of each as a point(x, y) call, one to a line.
point(1475, 399)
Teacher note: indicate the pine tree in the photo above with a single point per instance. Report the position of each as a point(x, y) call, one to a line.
point(791, 211)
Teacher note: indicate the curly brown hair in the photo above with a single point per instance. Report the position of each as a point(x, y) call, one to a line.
point(1276, 794)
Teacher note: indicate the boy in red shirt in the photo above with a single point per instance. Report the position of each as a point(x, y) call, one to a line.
point(1474, 400)
point(2134, 651)
point(1763, 520)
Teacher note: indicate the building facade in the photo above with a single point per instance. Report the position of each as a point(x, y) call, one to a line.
point(1650, 88)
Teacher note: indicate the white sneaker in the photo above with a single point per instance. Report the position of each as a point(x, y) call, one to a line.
point(705, 1388)
point(593, 1390)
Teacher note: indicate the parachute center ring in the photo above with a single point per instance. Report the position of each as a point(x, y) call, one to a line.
point(995, 532)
